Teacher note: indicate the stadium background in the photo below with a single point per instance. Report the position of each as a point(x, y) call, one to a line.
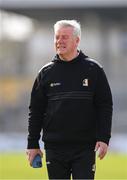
point(26, 44)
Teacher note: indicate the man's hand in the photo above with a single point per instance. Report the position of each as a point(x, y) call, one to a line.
point(102, 148)
point(31, 153)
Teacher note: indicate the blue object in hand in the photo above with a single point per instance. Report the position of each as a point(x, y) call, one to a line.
point(37, 162)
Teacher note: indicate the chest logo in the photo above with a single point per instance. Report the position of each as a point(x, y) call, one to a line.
point(85, 82)
point(55, 84)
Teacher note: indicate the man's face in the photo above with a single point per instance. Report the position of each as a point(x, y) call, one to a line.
point(65, 41)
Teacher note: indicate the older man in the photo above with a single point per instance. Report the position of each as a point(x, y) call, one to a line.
point(71, 102)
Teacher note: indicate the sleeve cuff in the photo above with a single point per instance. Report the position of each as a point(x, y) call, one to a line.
point(104, 139)
point(33, 144)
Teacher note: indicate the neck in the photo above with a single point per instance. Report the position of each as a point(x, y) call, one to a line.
point(69, 57)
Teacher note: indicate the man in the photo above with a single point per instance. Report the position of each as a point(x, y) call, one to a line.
point(71, 102)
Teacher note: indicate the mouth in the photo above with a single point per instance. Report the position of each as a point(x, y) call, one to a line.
point(61, 47)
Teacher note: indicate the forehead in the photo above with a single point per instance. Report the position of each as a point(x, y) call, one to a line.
point(64, 30)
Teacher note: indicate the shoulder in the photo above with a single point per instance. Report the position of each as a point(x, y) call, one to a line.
point(46, 67)
point(44, 70)
point(93, 63)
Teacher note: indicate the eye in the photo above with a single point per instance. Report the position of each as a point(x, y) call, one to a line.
point(65, 37)
point(56, 37)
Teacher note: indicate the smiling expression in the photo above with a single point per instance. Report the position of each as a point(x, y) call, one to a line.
point(66, 42)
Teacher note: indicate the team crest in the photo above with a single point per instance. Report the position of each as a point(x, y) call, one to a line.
point(85, 82)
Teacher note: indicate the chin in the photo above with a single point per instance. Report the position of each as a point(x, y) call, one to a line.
point(61, 52)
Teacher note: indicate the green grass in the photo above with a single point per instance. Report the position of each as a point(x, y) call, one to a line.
point(15, 166)
point(113, 166)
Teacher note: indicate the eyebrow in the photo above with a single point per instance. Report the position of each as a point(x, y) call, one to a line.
point(65, 36)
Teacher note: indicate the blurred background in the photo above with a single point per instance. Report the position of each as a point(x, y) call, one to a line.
point(26, 44)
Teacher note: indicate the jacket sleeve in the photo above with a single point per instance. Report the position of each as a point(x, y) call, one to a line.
point(36, 113)
point(104, 108)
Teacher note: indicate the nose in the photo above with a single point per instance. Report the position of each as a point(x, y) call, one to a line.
point(59, 40)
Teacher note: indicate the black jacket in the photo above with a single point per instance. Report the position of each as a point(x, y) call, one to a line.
point(71, 102)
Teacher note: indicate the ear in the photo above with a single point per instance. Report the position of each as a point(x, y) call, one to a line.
point(77, 40)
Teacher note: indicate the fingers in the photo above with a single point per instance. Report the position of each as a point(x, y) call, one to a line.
point(101, 149)
point(102, 152)
point(30, 156)
point(31, 153)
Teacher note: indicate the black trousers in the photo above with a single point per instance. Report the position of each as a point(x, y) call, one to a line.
point(78, 163)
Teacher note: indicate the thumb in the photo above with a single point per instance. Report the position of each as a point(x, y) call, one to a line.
point(40, 153)
point(97, 146)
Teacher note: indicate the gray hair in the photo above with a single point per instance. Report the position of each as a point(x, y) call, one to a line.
point(69, 23)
